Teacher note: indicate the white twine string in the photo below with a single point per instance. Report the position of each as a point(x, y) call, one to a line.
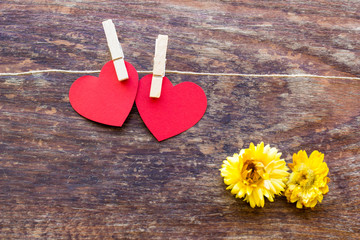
point(189, 73)
point(48, 71)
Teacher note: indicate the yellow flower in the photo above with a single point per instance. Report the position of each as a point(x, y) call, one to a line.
point(254, 173)
point(308, 181)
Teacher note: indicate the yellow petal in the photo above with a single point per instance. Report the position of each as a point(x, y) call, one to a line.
point(235, 189)
point(241, 193)
point(267, 184)
point(260, 195)
point(249, 190)
point(252, 202)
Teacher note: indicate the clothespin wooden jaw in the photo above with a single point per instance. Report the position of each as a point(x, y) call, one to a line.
point(159, 66)
point(116, 51)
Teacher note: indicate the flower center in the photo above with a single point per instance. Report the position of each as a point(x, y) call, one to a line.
point(252, 172)
point(305, 177)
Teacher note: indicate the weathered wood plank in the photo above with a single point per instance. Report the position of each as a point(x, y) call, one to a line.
point(62, 176)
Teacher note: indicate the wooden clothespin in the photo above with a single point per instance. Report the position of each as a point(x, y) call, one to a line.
point(159, 66)
point(116, 51)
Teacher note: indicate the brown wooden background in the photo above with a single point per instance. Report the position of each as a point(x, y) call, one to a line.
point(64, 177)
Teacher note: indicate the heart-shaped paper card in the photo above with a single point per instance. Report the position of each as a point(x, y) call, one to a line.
point(179, 107)
point(105, 99)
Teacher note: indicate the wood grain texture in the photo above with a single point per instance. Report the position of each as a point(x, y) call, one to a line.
point(64, 177)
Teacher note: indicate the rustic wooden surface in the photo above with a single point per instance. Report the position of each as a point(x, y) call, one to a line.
point(64, 177)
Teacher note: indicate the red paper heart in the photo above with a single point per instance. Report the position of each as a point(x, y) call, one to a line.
point(179, 107)
point(105, 99)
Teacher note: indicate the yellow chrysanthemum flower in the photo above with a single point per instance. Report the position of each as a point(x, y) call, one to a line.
point(308, 182)
point(254, 173)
